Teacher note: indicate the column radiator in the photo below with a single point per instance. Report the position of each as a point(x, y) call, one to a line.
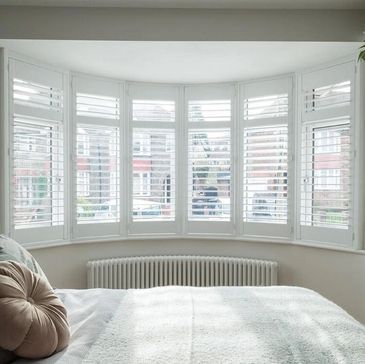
point(200, 271)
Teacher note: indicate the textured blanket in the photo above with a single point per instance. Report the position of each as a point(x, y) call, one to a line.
point(228, 325)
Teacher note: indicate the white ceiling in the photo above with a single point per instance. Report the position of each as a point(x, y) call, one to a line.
point(204, 4)
point(181, 62)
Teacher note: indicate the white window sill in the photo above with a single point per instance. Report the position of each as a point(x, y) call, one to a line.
point(327, 246)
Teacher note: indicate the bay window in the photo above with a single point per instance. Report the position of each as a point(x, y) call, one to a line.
point(94, 158)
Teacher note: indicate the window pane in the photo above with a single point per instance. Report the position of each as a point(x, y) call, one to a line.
point(153, 175)
point(265, 175)
point(97, 177)
point(209, 158)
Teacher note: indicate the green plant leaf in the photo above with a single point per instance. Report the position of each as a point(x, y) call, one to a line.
point(361, 56)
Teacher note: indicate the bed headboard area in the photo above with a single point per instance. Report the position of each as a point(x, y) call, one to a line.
point(181, 270)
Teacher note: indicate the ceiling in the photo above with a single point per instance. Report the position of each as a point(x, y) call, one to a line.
point(199, 4)
point(181, 62)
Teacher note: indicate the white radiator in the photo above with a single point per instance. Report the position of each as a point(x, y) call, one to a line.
point(200, 271)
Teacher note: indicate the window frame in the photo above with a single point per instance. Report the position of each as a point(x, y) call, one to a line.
point(34, 71)
point(146, 91)
point(87, 84)
point(209, 92)
point(316, 78)
point(262, 88)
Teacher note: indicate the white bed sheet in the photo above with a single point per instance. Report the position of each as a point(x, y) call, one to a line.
point(263, 325)
point(88, 311)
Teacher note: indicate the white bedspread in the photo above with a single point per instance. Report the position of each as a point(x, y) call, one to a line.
point(261, 325)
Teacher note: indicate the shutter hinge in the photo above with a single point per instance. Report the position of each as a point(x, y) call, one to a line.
point(8, 152)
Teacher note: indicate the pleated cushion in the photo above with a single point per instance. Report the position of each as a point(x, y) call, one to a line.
point(33, 319)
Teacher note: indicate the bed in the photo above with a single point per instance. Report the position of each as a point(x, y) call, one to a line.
point(208, 325)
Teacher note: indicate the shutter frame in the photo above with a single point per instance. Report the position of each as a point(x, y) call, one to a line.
point(106, 222)
point(260, 92)
point(37, 112)
point(330, 116)
point(206, 96)
point(153, 112)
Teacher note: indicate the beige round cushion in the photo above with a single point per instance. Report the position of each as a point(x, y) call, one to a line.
point(33, 319)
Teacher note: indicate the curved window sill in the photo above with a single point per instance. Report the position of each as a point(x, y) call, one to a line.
point(116, 239)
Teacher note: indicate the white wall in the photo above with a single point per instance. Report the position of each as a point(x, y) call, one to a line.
point(337, 275)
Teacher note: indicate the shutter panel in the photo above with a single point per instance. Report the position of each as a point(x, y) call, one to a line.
point(265, 177)
point(327, 97)
point(209, 159)
point(153, 175)
point(266, 121)
point(97, 106)
point(266, 107)
point(326, 172)
point(209, 110)
point(326, 164)
point(37, 173)
point(153, 164)
point(97, 175)
point(154, 110)
point(96, 157)
point(37, 161)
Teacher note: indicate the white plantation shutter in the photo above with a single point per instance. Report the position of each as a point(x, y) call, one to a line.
point(326, 167)
point(36, 153)
point(96, 157)
point(266, 120)
point(209, 145)
point(153, 159)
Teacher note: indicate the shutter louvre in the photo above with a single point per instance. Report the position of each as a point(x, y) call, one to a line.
point(209, 163)
point(97, 174)
point(265, 174)
point(153, 168)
